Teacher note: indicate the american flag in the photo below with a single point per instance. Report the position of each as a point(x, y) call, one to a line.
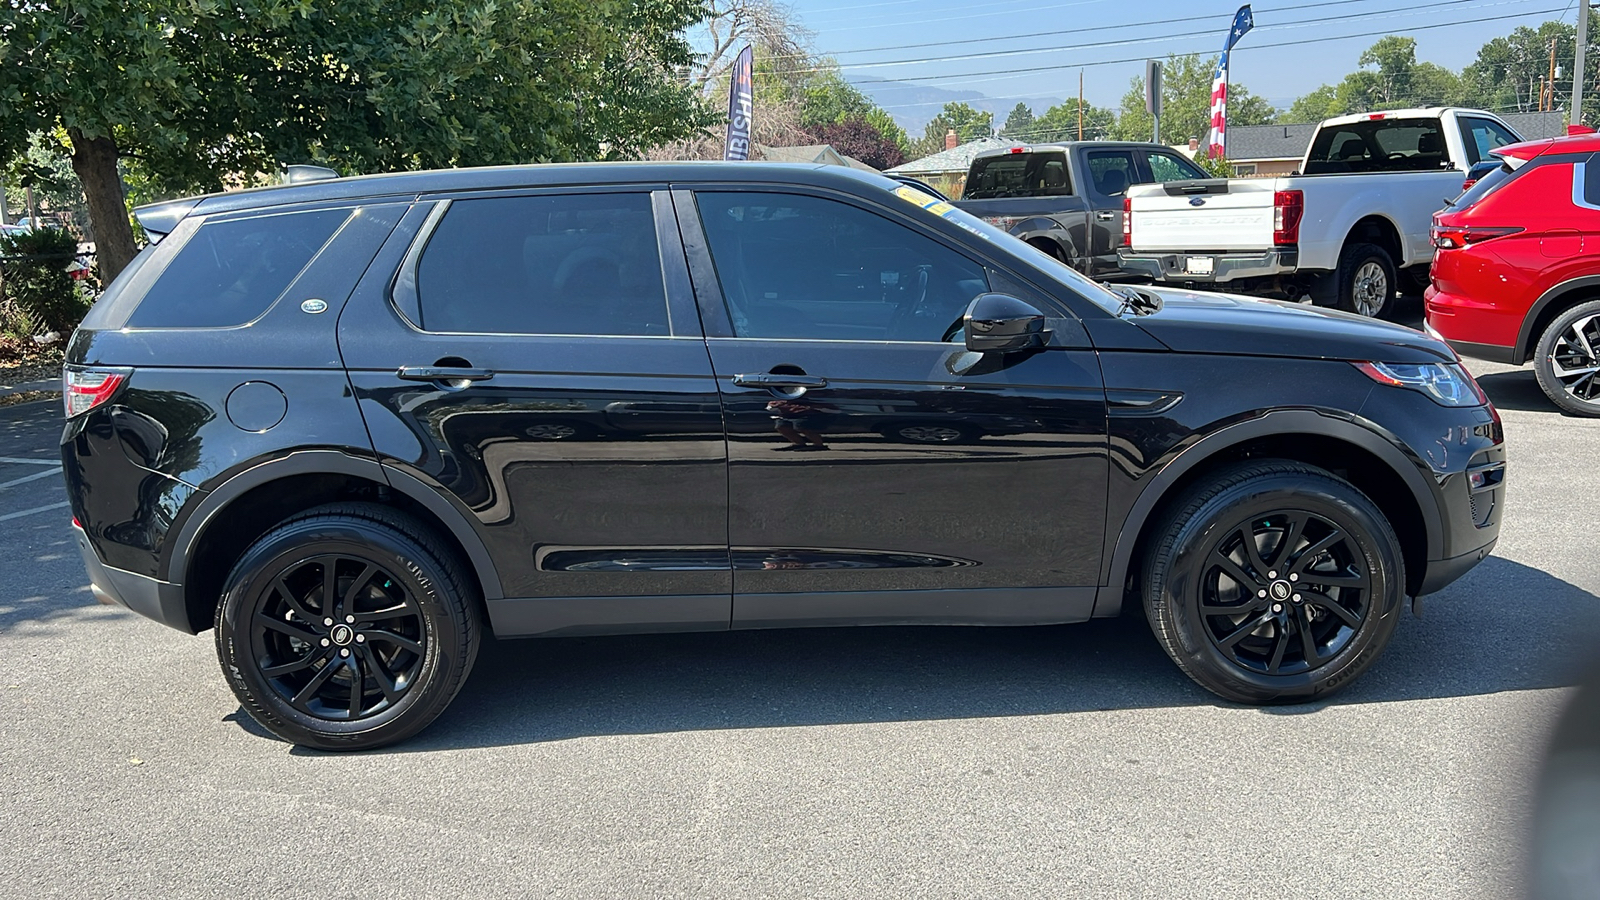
point(1216, 141)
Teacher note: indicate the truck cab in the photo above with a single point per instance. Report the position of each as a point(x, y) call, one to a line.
point(1066, 199)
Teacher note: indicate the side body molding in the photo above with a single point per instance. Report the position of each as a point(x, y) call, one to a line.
point(305, 462)
point(1288, 421)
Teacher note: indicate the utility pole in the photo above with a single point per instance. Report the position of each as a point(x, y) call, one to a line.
point(1550, 82)
point(1575, 117)
point(1080, 104)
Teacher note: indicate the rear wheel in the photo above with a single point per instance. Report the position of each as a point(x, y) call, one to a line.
point(1274, 582)
point(346, 628)
point(1567, 360)
point(1364, 282)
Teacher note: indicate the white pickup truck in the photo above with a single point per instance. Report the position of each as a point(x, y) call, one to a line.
point(1342, 229)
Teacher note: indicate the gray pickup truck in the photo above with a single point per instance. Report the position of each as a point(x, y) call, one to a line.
point(1066, 199)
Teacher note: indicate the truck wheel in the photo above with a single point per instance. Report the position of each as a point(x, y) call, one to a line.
point(1365, 281)
point(1567, 361)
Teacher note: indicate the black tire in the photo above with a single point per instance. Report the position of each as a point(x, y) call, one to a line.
point(1575, 386)
point(412, 631)
point(1186, 582)
point(1364, 283)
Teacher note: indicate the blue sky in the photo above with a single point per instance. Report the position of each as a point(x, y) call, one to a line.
point(1328, 36)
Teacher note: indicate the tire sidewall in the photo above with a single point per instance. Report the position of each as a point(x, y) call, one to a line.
point(1351, 262)
point(1548, 382)
point(402, 560)
point(1218, 517)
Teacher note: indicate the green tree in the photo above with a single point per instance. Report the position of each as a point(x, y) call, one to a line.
point(201, 91)
point(1018, 122)
point(969, 125)
point(1186, 103)
point(1507, 72)
point(1389, 78)
point(1060, 123)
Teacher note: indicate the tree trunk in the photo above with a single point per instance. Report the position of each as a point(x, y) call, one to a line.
point(95, 161)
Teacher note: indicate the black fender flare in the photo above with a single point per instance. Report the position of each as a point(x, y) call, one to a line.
point(1286, 421)
point(334, 462)
point(1525, 336)
point(1049, 229)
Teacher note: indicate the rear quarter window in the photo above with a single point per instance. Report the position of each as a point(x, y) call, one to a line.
point(231, 272)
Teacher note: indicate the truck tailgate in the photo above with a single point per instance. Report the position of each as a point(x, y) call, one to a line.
point(1231, 215)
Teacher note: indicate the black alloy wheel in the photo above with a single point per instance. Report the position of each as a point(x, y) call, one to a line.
point(1567, 360)
point(1283, 593)
point(1274, 581)
point(346, 628)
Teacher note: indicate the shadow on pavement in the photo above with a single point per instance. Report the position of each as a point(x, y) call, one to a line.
point(31, 430)
point(1516, 390)
point(1504, 627)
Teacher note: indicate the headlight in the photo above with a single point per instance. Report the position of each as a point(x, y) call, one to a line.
point(1448, 384)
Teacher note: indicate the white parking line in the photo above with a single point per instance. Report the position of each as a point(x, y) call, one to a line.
point(30, 462)
point(27, 478)
point(28, 512)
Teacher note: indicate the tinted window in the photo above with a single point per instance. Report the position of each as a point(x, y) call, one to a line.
point(230, 272)
point(1019, 175)
point(1166, 167)
point(803, 267)
point(1589, 170)
point(552, 264)
point(1483, 186)
point(1378, 145)
point(1481, 136)
point(1111, 171)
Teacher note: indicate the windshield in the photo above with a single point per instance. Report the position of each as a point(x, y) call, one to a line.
point(1094, 292)
point(1042, 174)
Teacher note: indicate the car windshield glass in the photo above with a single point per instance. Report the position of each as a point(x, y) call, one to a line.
point(1019, 175)
point(1093, 291)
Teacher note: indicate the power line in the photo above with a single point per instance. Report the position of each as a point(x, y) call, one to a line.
point(1410, 11)
point(1041, 34)
point(1318, 40)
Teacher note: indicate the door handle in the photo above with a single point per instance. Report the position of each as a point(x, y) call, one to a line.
point(1105, 216)
point(448, 374)
point(769, 380)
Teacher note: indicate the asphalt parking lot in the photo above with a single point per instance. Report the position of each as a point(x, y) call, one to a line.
point(1064, 761)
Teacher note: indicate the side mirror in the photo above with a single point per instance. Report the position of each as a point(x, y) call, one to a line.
point(1001, 323)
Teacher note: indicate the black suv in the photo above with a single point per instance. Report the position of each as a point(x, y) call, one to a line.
point(353, 424)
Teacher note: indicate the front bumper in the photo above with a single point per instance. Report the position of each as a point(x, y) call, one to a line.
point(149, 597)
point(1225, 267)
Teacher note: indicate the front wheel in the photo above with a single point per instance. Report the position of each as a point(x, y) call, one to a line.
point(1567, 360)
point(1274, 582)
point(346, 628)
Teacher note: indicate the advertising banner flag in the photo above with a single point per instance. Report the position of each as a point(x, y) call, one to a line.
point(740, 98)
point(1216, 140)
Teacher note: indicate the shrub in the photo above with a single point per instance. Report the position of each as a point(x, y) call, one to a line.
point(36, 280)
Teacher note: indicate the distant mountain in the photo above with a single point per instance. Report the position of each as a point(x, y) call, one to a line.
point(913, 106)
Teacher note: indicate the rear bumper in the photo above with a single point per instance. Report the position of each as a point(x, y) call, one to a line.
point(1479, 329)
point(1226, 267)
point(149, 597)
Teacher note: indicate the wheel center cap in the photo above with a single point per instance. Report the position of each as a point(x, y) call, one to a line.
point(1280, 590)
point(342, 634)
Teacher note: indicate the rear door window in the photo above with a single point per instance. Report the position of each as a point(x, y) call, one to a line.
point(545, 264)
point(1482, 135)
point(1111, 171)
point(231, 272)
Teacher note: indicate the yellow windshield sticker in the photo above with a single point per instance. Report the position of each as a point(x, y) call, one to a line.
point(912, 195)
point(940, 208)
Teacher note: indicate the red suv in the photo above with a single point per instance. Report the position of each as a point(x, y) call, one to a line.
point(1516, 272)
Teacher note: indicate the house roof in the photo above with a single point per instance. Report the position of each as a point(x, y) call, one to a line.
point(811, 153)
point(1252, 143)
point(957, 160)
point(1536, 126)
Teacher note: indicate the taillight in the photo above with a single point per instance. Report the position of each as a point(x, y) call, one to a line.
point(1454, 237)
point(1127, 221)
point(1288, 208)
point(84, 389)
